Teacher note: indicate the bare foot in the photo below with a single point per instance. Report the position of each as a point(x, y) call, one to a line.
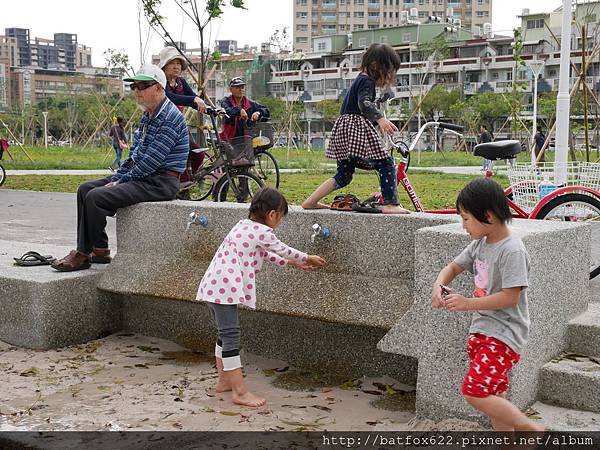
point(317, 205)
point(395, 209)
point(222, 387)
point(248, 399)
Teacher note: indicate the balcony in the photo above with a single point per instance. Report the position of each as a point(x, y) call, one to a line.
point(329, 6)
point(374, 5)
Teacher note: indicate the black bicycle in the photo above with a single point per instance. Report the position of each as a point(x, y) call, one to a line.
point(226, 171)
point(2, 171)
point(265, 164)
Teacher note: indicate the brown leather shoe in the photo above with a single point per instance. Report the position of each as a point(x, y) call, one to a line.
point(73, 261)
point(100, 256)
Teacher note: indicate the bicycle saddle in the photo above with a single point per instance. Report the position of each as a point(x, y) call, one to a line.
point(498, 150)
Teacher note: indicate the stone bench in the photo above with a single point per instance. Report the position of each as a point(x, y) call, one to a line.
point(44, 309)
point(326, 315)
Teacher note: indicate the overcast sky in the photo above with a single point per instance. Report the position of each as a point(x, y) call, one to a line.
point(114, 23)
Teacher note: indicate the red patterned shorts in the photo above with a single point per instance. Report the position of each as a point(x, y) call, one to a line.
point(491, 360)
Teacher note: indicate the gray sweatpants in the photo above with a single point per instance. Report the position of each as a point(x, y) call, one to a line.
point(227, 347)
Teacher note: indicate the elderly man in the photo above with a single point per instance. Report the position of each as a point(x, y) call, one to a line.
point(151, 173)
point(239, 108)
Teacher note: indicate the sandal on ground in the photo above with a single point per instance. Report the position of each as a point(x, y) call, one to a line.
point(73, 261)
point(368, 207)
point(344, 202)
point(30, 259)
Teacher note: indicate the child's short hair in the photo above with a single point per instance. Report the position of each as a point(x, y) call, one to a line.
point(380, 62)
point(265, 200)
point(481, 196)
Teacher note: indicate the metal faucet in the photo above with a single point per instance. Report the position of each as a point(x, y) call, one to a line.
point(196, 219)
point(319, 231)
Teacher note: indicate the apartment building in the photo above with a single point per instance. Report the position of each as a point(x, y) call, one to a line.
point(474, 64)
point(321, 17)
point(33, 68)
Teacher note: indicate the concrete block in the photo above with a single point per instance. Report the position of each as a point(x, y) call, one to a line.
point(437, 338)
point(584, 332)
point(571, 384)
point(43, 309)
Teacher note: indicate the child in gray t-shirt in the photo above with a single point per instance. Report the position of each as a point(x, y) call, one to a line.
point(500, 325)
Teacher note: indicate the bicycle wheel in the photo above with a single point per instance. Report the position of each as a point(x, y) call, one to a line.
point(2, 175)
point(204, 185)
point(577, 208)
point(239, 187)
point(267, 169)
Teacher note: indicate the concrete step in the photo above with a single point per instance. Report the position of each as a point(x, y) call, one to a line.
point(571, 383)
point(584, 332)
point(556, 418)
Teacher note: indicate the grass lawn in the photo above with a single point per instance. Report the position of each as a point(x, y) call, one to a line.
point(435, 189)
point(58, 158)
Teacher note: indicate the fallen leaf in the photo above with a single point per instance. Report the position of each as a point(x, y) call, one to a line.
point(178, 425)
point(285, 369)
point(142, 366)
point(268, 372)
point(91, 348)
point(372, 392)
point(31, 372)
point(206, 409)
point(389, 390)
point(148, 349)
point(293, 406)
point(322, 408)
point(229, 413)
point(373, 422)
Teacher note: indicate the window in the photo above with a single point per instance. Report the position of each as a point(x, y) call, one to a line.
point(359, 14)
point(534, 23)
point(406, 37)
point(359, 27)
point(301, 2)
point(359, 2)
point(321, 46)
point(383, 39)
point(301, 15)
point(342, 27)
point(301, 27)
point(362, 42)
point(509, 75)
point(495, 76)
point(301, 40)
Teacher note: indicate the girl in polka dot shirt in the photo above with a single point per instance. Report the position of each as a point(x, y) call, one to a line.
point(230, 280)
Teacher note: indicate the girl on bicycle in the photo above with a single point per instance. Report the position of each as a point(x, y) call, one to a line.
point(500, 323)
point(354, 139)
point(230, 281)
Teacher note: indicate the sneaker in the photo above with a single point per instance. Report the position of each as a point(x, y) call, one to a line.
point(111, 169)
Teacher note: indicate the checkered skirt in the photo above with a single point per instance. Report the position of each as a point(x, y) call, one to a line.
point(354, 136)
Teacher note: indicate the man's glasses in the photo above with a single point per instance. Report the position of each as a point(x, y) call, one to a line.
point(142, 86)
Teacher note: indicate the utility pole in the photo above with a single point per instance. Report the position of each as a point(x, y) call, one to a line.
point(536, 68)
point(45, 114)
point(563, 99)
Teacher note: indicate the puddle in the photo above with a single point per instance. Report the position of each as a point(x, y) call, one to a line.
point(187, 358)
point(311, 381)
point(400, 401)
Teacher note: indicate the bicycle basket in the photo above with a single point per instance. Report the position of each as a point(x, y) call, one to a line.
point(239, 151)
point(531, 184)
point(262, 136)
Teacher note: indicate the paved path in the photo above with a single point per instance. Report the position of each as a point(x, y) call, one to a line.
point(461, 170)
point(42, 217)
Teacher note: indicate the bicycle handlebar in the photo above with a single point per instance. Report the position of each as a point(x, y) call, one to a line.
point(216, 112)
point(451, 126)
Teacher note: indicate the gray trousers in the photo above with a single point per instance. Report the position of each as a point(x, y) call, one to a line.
point(228, 334)
point(95, 202)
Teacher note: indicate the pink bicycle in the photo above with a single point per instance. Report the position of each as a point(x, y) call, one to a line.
point(531, 194)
